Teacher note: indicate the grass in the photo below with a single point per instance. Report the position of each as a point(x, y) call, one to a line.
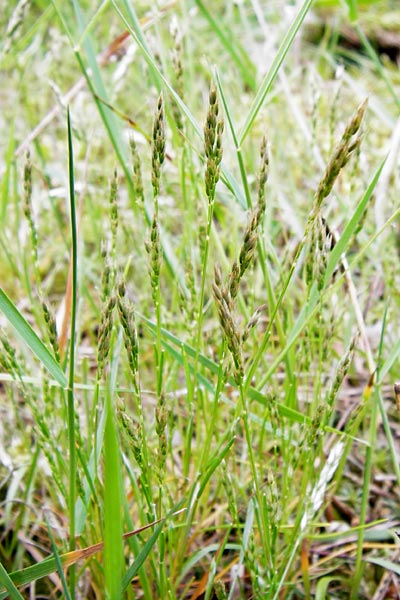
point(199, 299)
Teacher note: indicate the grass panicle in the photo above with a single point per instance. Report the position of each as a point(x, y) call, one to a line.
point(262, 179)
point(158, 146)
point(177, 65)
point(320, 244)
point(225, 295)
point(161, 430)
point(341, 155)
point(226, 317)
point(106, 279)
point(113, 201)
point(213, 129)
point(220, 590)
point(11, 361)
point(104, 334)
point(27, 208)
point(127, 318)
point(51, 329)
point(153, 248)
point(253, 321)
point(15, 24)
point(341, 371)
point(249, 246)
point(133, 434)
point(137, 179)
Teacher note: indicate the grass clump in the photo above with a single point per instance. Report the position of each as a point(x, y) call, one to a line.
point(222, 423)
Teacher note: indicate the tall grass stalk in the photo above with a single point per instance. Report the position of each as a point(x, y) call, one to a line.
point(213, 129)
point(71, 374)
point(113, 550)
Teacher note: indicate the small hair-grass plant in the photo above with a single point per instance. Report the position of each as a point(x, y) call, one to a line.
point(221, 395)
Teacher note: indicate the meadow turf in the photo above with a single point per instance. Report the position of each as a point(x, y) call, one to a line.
point(199, 305)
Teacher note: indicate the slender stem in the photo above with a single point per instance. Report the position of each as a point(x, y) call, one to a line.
point(203, 281)
point(70, 390)
point(249, 441)
point(358, 569)
point(378, 65)
point(260, 352)
point(214, 413)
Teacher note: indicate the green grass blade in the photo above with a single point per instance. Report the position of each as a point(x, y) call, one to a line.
point(5, 184)
point(113, 547)
point(322, 586)
point(370, 50)
point(236, 142)
point(7, 582)
point(389, 362)
point(72, 341)
point(351, 226)
point(57, 559)
point(388, 565)
point(238, 54)
point(113, 553)
point(31, 339)
point(213, 464)
point(274, 69)
point(32, 573)
point(97, 88)
point(145, 551)
point(353, 10)
point(141, 557)
point(135, 23)
point(84, 500)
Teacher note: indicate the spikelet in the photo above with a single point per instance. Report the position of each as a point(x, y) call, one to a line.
point(176, 59)
point(113, 202)
point(231, 331)
point(27, 208)
point(127, 318)
point(220, 590)
point(341, 371)
point(213, 129)
point(104, 335)
point(158, 146)
point(133, 434)
point(136, 172)
point(153, 248)
point(14, 24)
point(161, 427)
point(51, 328)
point(341, 155)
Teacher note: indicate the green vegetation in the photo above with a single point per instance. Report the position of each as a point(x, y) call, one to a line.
point(199, 300)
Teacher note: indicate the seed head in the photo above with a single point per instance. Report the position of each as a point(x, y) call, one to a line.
point(213, 130)
point(158, 146)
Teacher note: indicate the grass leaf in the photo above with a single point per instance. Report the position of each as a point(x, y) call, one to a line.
point(31, 338)
point(237, 52)
point(113, 550)
point(8, 585)
point(274, 69)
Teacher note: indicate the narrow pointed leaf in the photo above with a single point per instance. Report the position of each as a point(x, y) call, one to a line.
point(31, 338)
